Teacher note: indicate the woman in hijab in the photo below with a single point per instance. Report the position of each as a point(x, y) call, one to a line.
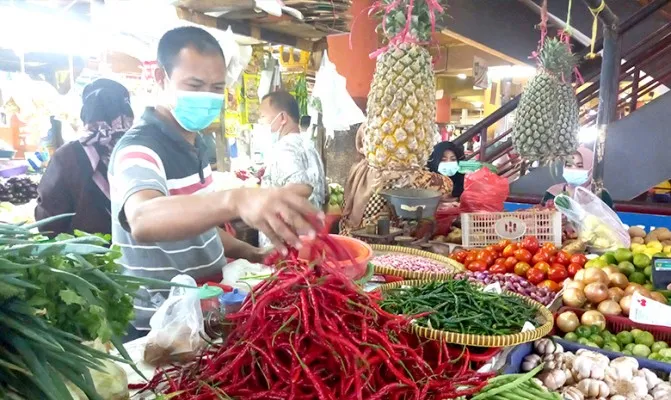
point(444, 160)
point(577, 172)
point(76, 179)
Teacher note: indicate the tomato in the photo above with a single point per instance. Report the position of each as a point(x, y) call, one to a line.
point(510, 263)
point(491, 249)
point(579, 259)
point(498, 269)
point(558, 273)
point(459, 256)
point(573, 268)
point(550, 248)
point(500, 260)
point(486, 256)
point(521, 268)
point(541, 255)
point(552, 260)
point(501, 245)
point(470, 257)
point(509, 250)
point(477, 266)
point(563, 258)
point(535, 276)
point(523, 255)
point(552, 285)
point(530, 243)
point(543, 266)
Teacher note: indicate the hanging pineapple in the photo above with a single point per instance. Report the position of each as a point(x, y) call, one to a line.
point(546, 123)
point(402, 98)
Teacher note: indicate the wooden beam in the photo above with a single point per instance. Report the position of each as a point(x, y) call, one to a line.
point(482, 47)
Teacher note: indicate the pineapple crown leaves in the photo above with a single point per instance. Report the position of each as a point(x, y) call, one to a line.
point(556, 58)
point(395, 24)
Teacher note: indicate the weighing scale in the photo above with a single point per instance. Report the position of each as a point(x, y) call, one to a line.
point(661, 273)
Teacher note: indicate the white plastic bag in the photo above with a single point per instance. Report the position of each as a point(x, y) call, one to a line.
point(597, 224)
point(176, 326)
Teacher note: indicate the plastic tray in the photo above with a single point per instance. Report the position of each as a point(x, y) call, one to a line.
point(515, 358)
point(484, 229)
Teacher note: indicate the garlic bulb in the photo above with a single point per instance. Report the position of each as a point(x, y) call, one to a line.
point(547, 346)
point(553, 380)
point(530, 362)
point(625, 362)
point(593, 388)
point(590, 365)
point(572, 393)
point(662, 391)
point(633, 388)
point(649, 376)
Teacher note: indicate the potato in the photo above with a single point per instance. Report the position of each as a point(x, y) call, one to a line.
point(636, 232)
point(667, 243)
point(638, 240)
point(663, 234)
point(651, 237)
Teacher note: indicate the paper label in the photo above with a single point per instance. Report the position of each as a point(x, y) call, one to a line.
point(528, 327)
point(647, 311)
point(493, 288)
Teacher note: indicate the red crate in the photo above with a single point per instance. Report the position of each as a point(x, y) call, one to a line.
point(617, 324)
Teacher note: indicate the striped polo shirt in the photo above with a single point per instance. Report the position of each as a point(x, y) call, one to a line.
point(153, 155)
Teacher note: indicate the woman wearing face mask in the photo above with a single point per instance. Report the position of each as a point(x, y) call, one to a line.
point(444, 160)
point(577, 172)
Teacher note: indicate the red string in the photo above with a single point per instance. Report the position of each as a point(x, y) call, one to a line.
point(544, 22)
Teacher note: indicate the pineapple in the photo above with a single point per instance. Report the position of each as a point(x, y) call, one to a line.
point(546, 123)
point(401, 103)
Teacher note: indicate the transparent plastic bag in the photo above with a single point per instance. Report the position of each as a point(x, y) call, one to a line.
point(597, 224)
point(177, 325)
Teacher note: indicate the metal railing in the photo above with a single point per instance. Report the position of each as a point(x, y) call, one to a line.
point(655, 48)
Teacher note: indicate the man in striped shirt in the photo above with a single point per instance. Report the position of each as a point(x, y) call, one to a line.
point(165, 216)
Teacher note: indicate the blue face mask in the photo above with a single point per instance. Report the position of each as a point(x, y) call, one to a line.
point(576, 177)
point(448, 168)
point(195, 111)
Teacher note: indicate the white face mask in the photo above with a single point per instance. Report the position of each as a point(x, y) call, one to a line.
point(448, 168)
point(576, 176)
point(267, 127)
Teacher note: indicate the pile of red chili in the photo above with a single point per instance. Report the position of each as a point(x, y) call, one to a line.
point(309, 332)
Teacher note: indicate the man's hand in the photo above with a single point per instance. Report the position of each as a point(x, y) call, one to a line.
point(282, 214)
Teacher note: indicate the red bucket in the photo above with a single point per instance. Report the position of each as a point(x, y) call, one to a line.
point(353, 262)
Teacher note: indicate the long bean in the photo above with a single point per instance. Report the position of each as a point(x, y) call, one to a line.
point(458, 306)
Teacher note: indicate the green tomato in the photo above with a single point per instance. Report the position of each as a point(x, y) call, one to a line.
point(612, 346)
point(630, 347)
point(666, 353)
point(641, 350)
point(666, 360)
point(659, 345)
point(644, 338)
point(571, 337)
point(626, 352)
point(655, 356)
point(583, 341)
point(648, 271)
point(598, 340)
point(591, 344)
point(595, 329)
point(624, 338)
point(608, 337)
point(583, 331)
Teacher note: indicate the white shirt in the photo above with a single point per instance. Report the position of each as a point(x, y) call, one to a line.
point(294, 159)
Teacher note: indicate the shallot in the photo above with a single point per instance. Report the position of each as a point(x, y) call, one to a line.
point(408, 263)
point(512, 283)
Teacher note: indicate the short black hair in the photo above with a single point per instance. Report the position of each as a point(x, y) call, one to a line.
point(305, 121)
point(173, 41)
point(284, 101)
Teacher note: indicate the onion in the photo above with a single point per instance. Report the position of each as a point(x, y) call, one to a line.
point(580, 275)
point(567, 321)
point(574, 284)
point(596, 292)
point(636, 288)
point(618, 279)
point(658, 297)
point(595, 275)
point(609, 270)
point(593, 317)
point(615, 294)
point(574, 297)
point(625, 304)
point(609, 307)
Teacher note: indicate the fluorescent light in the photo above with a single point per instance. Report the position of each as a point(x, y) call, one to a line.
point(461, 76)
point(588, 134)
point(511, 71)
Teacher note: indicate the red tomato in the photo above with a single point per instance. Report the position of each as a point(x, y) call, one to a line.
point(509, 250)
point(510, 263)
point(540, 256)
point(552, 285)
point(579, 259)
point(550, 248)
point(563, 258)
point(469, 258)
point(573, 268)
point(498, 269)
point(501, 245)
point(500, 260)
point(552, 260)
point(477, 266)
point(521, 268)
point(558, 273)
point(530, 243)
point(543, 266)
point(491, 249)
point(486, 256)
point(523, 255)
point(535, 276)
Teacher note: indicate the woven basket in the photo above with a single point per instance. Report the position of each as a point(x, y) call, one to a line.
point(480, 340)
point(451, 266)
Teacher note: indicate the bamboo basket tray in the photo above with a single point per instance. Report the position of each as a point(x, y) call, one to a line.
point(480, 340)
point(451, 266)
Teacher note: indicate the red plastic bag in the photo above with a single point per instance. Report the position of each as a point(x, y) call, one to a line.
point(484, 191)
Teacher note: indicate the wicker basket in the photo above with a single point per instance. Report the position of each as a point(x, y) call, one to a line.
point(480, 340)
point(451, 266)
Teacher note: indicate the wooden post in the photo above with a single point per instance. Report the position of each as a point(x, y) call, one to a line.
point(223, 158)
point(320, 143)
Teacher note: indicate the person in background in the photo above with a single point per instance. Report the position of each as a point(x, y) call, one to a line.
point(305, 124)
point(294, 159)
point(445, 160)
point(76, 179)
point(54, 139)
point(166, 216)
point(577, 172)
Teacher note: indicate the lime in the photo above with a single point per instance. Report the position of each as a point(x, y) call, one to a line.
point(591, 344)
point(626, 267)
point(583, 341)
point(648, 271)
point(630, 347)
point(624, 338)
point(666, 360)
point(666, 353)
point(659, 255)
point(648, 286)
point(626, 352)
point(641, 261)
point(612, 346)
point(635, 332)
point(597, 263)
point(637, 277)
point(655, 356)
point(598, 340)
point(584, 331)
point(623, 255)
point(644, 338)
point(571, 337)
point(641, 350)
point(608, 337)
point(659, 345)
point(595, 329)
point(609, 258)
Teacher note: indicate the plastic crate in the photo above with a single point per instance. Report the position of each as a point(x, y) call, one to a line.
point(484, 229)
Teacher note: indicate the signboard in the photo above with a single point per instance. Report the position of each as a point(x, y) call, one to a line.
point(480, 73)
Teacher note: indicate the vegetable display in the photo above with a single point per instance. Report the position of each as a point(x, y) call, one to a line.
point(308, 332)
point(512, 283)
point(459, 306)
point(336, 195)
point(634, 264)
point(409, 263)
point(516, 387)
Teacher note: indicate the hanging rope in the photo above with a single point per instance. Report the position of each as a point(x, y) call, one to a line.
point(595, 26)
point(543, 26)
point(568, 29)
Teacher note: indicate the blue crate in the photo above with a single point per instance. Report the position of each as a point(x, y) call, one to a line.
point(515, 358)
